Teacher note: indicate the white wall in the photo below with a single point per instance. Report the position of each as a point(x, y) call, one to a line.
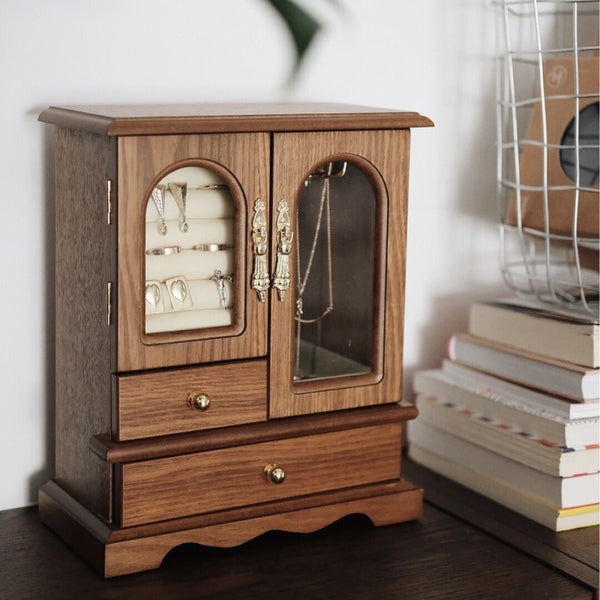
point(433, 56)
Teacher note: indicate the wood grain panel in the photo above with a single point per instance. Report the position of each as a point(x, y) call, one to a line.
point(53, 495)
point(243, 162)
point(114, 452)
point(148, 553)
point(196, 483)
point(229, 117)
point(117, 552)
point(84, 340)
point(156, 403)
point(383, 156)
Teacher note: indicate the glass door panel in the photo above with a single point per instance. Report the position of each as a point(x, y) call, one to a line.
point(185, 205)
point(336, 337)
point(189, 252)
point(335, 266)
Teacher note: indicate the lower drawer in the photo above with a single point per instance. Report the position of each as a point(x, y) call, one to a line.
point(168, 488)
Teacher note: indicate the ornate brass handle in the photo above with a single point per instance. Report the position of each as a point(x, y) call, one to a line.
point(285, 235)
point(199, 401)
point(260, 272)
point(274, 473)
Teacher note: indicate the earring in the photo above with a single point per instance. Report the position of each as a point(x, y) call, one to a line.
point(179, 292)
point(154, 298)
point(220, 280)
point(179, 193)
point(158, 197)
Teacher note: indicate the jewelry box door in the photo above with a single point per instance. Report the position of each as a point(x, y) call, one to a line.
point(336, 332)
point(186, 207)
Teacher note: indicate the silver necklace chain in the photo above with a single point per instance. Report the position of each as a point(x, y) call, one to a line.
point(303, 281)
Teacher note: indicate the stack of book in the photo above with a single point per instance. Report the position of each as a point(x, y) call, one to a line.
point(514, 412)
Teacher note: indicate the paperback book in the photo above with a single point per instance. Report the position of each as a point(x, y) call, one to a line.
point(562, 492)
point(510, 393)
point(507, 439)
point(565, 379)
point(549, 515)
point(516, 407)
point(570, 338)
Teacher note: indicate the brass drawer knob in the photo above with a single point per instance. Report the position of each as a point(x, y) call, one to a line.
point(274, 473)
point(199, 401)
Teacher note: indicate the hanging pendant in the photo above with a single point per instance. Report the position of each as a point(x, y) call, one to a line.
point(158, 197)
point(179, 193)
point(220, 280)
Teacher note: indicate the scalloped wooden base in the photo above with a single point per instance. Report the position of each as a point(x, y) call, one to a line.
point(115, 551)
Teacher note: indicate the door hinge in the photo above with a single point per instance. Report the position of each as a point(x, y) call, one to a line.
point(108, 201)
point(109, 303)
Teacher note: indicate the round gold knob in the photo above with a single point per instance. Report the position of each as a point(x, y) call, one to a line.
point(199, 401)
point(274, 473)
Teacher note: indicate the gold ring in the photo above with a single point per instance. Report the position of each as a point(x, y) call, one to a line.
point(164, 251)
point(213, 186)
point(211, 247)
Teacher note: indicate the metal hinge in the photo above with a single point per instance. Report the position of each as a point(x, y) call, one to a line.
point(108, 201)
point(109, 303)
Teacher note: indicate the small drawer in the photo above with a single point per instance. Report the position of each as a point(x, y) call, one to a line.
point(178, 486)
point(191, 399)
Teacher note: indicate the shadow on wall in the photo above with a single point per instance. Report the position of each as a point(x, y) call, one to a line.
point(470, 82)
point(467, 78)
point(449, 315)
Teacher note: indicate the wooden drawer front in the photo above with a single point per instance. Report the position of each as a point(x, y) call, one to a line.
point(152, 404)
point(174, 487)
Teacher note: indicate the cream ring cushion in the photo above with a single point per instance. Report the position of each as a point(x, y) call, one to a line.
point(182, 289)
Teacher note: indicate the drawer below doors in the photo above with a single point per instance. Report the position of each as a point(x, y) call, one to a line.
point(191, 399)
point(179, 486)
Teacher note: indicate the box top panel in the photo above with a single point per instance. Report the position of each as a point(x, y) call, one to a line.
point(167, 119)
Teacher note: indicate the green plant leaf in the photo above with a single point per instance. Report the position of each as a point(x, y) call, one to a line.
point(301, 24)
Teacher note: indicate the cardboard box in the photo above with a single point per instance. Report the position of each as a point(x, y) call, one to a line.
point(559, 87)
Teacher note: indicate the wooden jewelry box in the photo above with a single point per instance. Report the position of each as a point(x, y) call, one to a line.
point(229, 324)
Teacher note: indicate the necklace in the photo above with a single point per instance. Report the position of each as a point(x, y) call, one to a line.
point(303, 279)
point(324, 206)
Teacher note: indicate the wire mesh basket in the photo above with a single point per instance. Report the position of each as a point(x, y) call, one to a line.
point(548, 150)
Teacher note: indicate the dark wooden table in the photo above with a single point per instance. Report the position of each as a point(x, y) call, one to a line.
point(463, 547)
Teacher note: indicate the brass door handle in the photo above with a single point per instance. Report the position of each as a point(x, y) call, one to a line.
point(260, 272)
point(285, 235)
point(199, 401)
point(274, 473)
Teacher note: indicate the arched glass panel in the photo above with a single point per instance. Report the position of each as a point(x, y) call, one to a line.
point(335, 255)
point(189, 252)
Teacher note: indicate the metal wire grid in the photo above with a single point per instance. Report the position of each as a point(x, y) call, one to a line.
point(554, 267)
